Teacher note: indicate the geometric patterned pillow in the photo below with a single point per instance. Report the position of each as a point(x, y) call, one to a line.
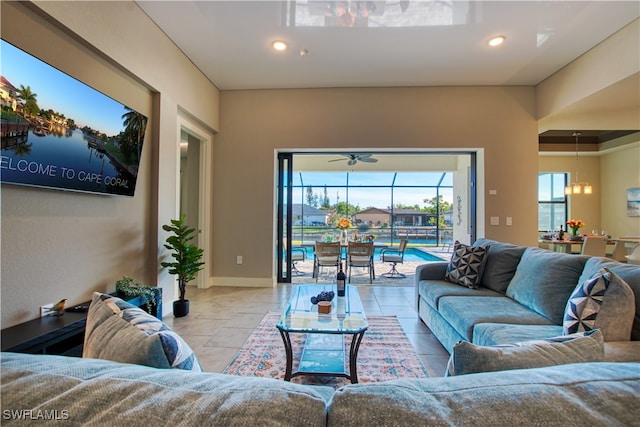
point(606, 302)
point(122, 332)
point(466, 265)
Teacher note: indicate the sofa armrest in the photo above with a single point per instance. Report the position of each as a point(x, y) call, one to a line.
point(431, 271)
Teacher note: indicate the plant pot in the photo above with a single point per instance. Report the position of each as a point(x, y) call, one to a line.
point(181, 307)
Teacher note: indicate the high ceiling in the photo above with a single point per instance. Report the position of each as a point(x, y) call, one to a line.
point(395, 43)
point(385, 43)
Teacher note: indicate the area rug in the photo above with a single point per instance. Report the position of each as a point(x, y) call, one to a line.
point(385, 354)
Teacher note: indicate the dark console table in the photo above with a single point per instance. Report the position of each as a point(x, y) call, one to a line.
point(57, 335)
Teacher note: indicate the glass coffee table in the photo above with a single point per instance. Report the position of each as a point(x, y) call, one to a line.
point(324, 348)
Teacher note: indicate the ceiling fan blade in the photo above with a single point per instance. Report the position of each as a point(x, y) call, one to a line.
point(368, 159)
point(337, 160)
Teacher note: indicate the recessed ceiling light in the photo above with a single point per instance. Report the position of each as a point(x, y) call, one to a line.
point(279, 45)
point(497, 40)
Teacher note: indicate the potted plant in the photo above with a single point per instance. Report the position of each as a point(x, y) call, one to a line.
point(187, 260)
point(130, 288)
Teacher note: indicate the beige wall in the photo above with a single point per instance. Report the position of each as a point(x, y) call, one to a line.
point(67, 245)
point(620, 170)
point(599, 90)
point(255, 124)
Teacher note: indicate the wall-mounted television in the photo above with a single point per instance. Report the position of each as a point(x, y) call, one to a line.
point(59, 133)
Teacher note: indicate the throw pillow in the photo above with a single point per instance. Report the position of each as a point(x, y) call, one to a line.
point(122, 332)
point(604, 302)
point(468, 358)
point(466, 265)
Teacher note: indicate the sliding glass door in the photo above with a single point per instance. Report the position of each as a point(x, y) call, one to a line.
point(283, 243)
point(428, 199)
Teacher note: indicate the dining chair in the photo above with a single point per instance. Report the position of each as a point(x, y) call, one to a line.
point(360, 254)
point(394, 256)
point(619, 251)
point(634, 256)
point(326, 254)
point(594, 246)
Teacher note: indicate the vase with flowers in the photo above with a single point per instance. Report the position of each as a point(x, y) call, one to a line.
point(343, 225)
point(575, 225)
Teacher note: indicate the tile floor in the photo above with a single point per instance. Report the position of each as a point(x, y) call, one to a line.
point(222, 318)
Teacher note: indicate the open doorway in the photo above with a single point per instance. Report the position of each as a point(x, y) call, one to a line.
point(194, 188)
point(426, 197)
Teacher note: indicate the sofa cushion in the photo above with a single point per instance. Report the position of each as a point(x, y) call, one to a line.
point(432, 290)
point(628, 272)
point(501, 333)
point(122, 332)
point(544, 280)
point(468, 358)
point(604, 302)
point(501, 265)
point(586, 394)
point(96, 392)
point(466, 265)
point(463, 313)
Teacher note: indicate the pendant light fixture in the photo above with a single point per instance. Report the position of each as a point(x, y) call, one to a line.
point(577, 187)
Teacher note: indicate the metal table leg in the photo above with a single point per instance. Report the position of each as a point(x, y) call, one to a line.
point(287, 348)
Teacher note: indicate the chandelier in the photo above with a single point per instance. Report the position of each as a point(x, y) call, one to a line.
point(577, 187)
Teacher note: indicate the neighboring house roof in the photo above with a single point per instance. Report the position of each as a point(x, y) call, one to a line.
point(6, 83)
point(370, 211)
point(297, 209)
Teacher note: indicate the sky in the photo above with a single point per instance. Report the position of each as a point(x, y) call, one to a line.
point(59, 92)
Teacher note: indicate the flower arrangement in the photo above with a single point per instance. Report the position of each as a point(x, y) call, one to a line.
point(574, 225)
point(343, 224)
point(370, 237)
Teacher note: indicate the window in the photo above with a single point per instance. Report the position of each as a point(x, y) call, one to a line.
point(552, 203)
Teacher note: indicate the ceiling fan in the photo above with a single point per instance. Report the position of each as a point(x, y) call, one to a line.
point(355, 158)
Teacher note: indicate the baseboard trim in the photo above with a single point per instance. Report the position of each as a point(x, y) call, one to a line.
point(249, 282)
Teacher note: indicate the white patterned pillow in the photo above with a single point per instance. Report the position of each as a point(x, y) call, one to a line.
point(604, 302)
point(122, 332)
point(466, 265)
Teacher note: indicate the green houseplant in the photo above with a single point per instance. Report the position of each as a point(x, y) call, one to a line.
point(131, 288)
point(187, 260)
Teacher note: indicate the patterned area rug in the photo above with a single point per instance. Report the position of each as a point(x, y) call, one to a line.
point(385, 354)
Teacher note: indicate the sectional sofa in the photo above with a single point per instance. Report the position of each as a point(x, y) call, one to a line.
point(522, 295)
point(92, 392)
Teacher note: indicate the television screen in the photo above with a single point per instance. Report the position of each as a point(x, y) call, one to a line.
point(59, 133)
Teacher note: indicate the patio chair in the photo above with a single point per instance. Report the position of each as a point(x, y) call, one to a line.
point(326, 254)
point(360, 254)
point(394, 256)
point(297, 254)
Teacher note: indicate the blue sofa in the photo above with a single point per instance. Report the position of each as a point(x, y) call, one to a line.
point(522, 296)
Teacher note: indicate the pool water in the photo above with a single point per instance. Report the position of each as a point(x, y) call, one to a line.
point(412, 254)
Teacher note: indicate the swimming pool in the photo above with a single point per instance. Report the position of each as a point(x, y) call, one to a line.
point(412, 254)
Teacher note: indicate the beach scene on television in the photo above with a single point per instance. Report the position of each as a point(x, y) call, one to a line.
point(59, 133)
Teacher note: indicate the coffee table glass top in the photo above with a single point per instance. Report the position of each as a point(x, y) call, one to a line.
point(346, 317)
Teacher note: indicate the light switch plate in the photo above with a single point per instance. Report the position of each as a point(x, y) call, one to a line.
point(509, 220)
point(495, 220)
